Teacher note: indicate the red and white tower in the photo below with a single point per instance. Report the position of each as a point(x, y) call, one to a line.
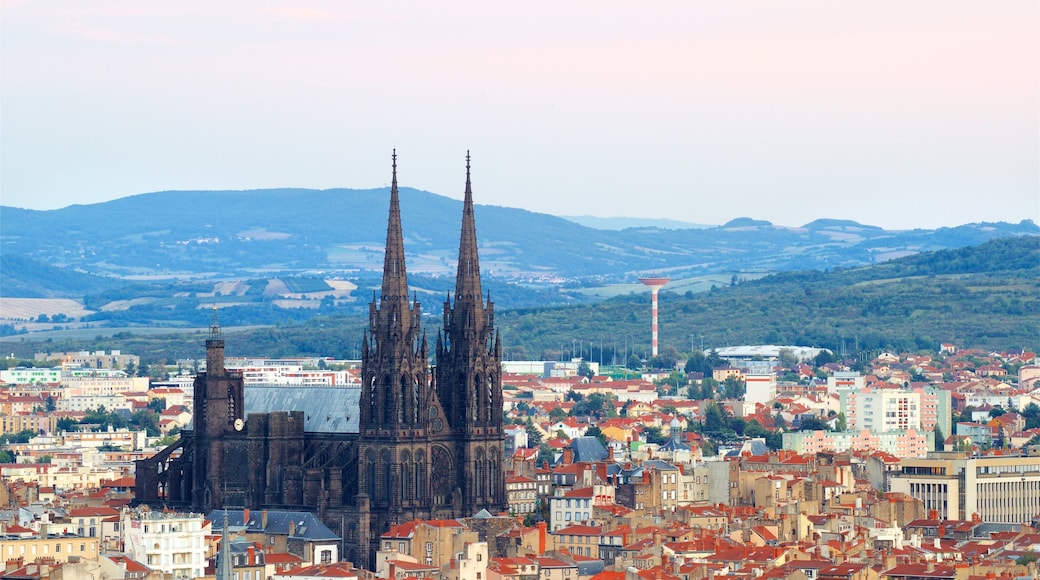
point(655, 285)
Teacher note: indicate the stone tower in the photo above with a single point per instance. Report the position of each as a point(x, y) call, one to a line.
point(469, 373)
point(402, 427)
point(219, 416)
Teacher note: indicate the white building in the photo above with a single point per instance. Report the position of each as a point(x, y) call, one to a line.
point(174, 543)
point(24, 376)
point(845, 381)
point(760, 388)
point(996, 489)
point(881, 410)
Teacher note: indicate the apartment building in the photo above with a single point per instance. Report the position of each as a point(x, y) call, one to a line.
point(1004, 489)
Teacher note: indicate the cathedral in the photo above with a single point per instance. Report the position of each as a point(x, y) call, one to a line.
point(412, 442)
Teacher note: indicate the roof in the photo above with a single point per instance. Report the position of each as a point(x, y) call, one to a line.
point(326, 409)
point(305, 525)
point(588, 449)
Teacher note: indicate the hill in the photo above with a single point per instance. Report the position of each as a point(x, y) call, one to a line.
point(282, 256)
point(340, 232)
point(986, 296)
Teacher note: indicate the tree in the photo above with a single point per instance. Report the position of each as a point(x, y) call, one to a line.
point(594, 431)
point(697, 363)
point(584, 370)
point(824, 357)
point(787, 358)
point(811, 423)
point(557, 413)
point(534, 436)
point(714, 418)
point(634, 362)
point(1031, 413)
point(841, 423)
point(940, 438)
point(733, 388)
point(597, 405)
point(667, 358)
point(157, 404)
point(653, 435)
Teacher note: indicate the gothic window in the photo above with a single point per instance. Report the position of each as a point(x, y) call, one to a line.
point(388, 401)
point(388, 482)
point(415, 399)
point(441, 476)
point(406, 476)
point(493, 474)
point(370, 476)
point(373, 415)
point(405, 400)
point(230, 404)
point(491, 399)
point(476, 397)
point(478, 481)
point(420, 476)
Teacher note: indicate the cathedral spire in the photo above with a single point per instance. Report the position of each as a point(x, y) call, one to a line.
point(467, 278)
point(395, 281)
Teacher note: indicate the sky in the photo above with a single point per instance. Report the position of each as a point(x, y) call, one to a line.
point(896, 113)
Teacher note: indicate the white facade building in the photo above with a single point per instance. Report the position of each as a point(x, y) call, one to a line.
point(174, 543)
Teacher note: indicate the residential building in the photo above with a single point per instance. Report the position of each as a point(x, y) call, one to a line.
point(172, 542)
point(1004, 489)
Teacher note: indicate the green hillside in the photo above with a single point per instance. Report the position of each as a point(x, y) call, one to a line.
point(985, 296)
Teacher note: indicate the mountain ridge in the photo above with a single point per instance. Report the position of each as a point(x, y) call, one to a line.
point(298, 229)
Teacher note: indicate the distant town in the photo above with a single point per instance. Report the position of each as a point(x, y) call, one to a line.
point(744, 462)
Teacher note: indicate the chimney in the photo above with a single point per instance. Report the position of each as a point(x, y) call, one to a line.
point(610, 453)
point(292, 528)
point(245, 517)
point(542, 527)
point(252, 556)
point(263, 519)
point(568, 456)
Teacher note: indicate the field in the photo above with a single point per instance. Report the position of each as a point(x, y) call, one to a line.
point(23, 309)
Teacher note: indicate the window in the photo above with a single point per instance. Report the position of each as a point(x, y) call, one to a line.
point(326, 556)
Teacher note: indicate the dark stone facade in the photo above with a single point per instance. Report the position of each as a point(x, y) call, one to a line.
point(428, 445)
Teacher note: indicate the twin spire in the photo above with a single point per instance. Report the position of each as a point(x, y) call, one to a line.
point(395, 280)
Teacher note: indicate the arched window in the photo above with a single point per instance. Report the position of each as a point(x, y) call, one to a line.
point(388, 401)
point(405, 399)
point(479, 484)
point(420, 476)
point(370, 476)
point(407, 493)
point(387, 479)
point(491, 399)
point(493, 474)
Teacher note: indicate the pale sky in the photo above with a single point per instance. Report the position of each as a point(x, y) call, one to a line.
point(896, 113)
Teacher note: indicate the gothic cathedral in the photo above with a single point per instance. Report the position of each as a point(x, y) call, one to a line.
point(412, 443)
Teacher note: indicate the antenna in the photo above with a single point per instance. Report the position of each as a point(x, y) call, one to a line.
point(214, 326)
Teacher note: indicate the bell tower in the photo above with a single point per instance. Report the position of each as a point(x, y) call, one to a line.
point(399, 414)
point(469, 374)
point(220, 414)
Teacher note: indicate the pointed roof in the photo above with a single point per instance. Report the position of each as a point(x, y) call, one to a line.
point(467, 278)
point(395, 280)
point(224, 571)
